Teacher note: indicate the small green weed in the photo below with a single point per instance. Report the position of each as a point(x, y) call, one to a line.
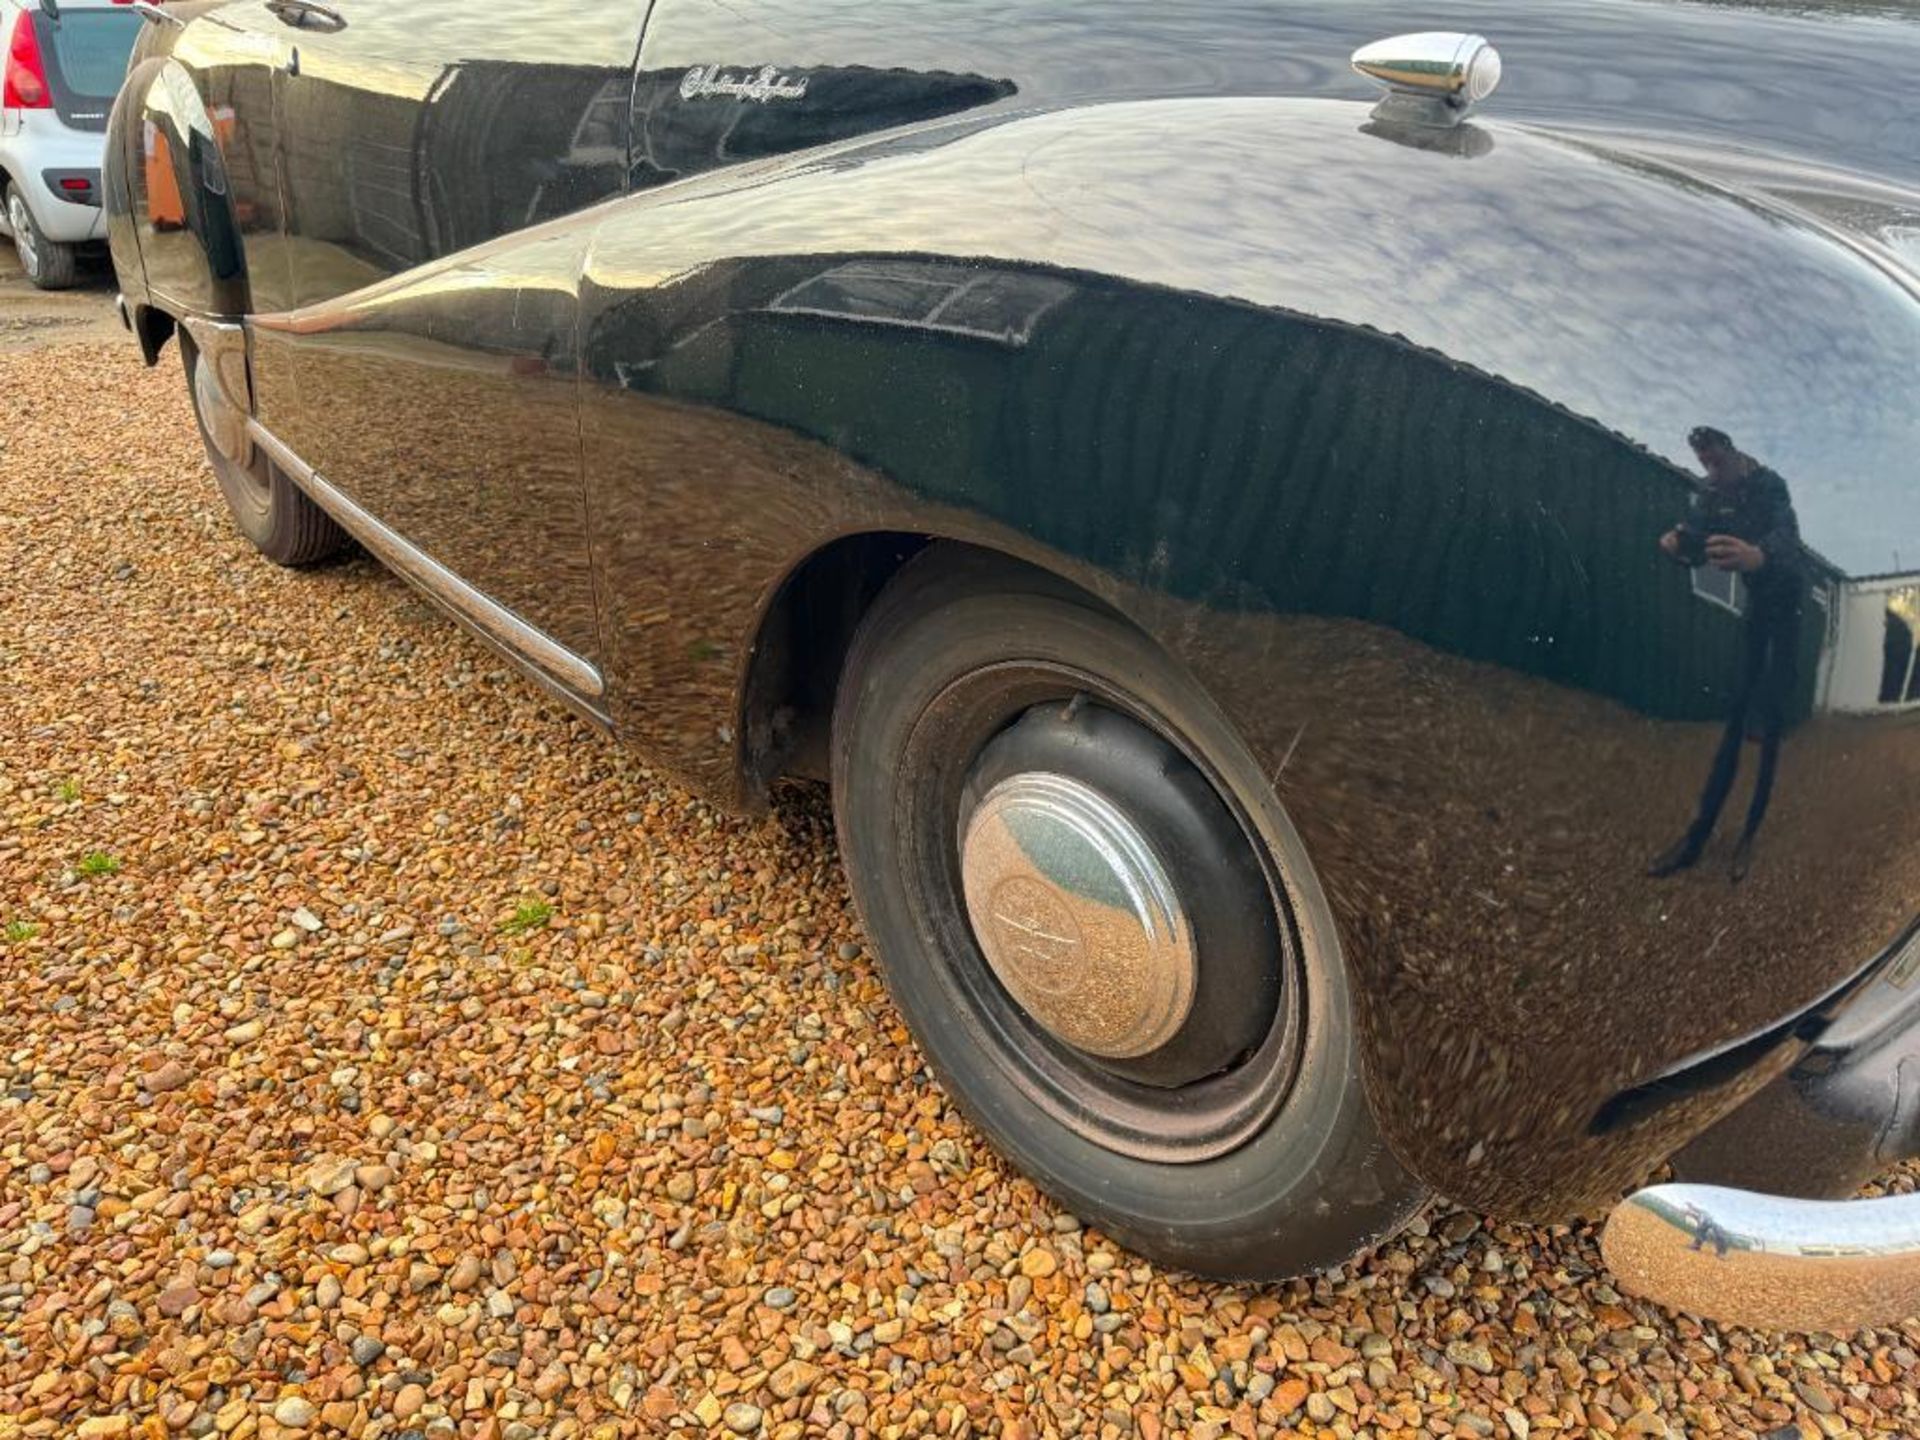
point(96, 863)
point(531, 915)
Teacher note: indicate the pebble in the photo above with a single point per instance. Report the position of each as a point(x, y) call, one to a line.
point(373, 1178)
point(1038, 1263)
point(793, 1379)
point(1817, 1399)
point(177, 1299)
point(743, 1418)
point(295, 1412)
point(328, 1175)
point(167, 1078)
point(1472, 1357)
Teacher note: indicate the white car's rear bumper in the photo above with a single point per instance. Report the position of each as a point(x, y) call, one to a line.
point(38, 151)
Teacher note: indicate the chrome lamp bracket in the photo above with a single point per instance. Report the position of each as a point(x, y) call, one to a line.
point(1433, 77)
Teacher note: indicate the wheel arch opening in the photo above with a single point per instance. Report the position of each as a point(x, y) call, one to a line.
point(800, 649)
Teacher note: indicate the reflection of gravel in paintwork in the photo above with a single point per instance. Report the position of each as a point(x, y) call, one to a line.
point(504, 502)
point(1442, 798)
point(680, 1130)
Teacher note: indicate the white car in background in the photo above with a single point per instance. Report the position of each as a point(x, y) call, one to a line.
point(61, 64)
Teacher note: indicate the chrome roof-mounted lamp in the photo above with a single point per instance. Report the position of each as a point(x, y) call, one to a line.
point(1433, 77)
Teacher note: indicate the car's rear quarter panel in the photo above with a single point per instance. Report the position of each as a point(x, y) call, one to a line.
point(1379, 442)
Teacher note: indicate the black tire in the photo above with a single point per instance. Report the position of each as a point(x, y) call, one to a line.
point(49, 264)
point(1308, 1182)
point(269, 509)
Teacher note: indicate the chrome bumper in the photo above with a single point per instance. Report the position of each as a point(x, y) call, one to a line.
point(1767, 1263)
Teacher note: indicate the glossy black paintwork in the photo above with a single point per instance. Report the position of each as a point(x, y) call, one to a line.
point(1425, 591)
point(463, 436)
point(1374, 431)
point(1781, 78)
point(422, 129)
point(409, 133)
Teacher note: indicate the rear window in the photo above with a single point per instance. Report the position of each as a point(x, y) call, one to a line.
point(89, 50)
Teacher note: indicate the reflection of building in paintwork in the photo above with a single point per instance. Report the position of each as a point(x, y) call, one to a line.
point(681, 129)
point(988, 304)
point(398, 182)
point(1661, 654)
point(1311, 496)
point(1873, 660)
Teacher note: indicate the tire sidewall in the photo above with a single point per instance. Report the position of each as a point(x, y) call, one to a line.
point(47, 264)
point(281, 521)
point(1316, 1183)
point(18, 220)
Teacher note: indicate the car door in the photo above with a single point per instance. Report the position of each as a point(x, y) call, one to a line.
point(417, 128)
point(436, 392)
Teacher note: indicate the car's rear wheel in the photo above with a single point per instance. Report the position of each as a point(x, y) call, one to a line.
point(1101, 927)
point(49, 264)
point(270, 510)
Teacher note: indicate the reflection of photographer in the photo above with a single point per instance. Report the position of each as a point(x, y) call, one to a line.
point(1742, 521)
point(1707, 1231)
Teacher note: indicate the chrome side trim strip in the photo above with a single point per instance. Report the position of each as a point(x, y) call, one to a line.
point(401, 555)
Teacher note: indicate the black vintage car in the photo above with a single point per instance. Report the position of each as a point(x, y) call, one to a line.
point(1362, 626)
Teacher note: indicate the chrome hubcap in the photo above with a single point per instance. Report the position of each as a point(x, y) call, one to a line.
point(22, 226)
point(225, 422)
point(1077, 916)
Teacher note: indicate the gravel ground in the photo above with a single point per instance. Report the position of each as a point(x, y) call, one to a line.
point(387, 1055)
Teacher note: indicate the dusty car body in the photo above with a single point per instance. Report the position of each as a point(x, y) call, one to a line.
point(656, 351)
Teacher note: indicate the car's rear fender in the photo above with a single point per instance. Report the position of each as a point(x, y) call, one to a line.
point(1378, 439)
point(176, 243)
